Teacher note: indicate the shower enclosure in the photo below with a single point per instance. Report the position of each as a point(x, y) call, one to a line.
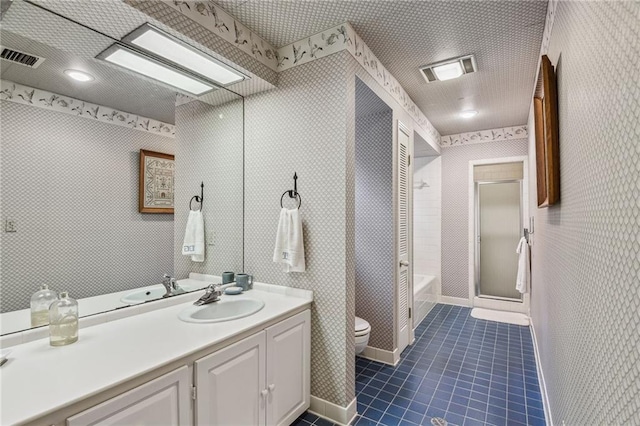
point(498, 212)
point(499, 218)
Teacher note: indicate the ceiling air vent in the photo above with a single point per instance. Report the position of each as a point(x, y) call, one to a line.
point(449, 69)
point(21, 58)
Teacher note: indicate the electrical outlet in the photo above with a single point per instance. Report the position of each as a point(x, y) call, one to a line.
point(211, 233)
point(10, 226)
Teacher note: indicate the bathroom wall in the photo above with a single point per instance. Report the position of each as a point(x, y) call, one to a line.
point(585, 297)
point(455, 208)
point(374, 237)
point(355, 73)
point(302, 127)
point(427, 218)
point(71, 184)
point(209, 149)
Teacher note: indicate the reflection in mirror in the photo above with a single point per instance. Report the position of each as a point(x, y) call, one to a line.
point(73, 127)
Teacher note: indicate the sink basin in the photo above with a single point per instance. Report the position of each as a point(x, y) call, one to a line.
point(223, 310)
point(157, 291)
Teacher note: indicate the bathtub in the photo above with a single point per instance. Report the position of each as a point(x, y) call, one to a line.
point(424, 296)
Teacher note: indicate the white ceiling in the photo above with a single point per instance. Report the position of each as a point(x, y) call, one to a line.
point(504, 36)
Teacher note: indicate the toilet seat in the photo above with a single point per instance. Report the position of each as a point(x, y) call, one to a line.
point(362, 327)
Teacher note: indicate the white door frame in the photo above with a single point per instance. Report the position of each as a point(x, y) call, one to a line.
point(475, 301)
point(402, 340)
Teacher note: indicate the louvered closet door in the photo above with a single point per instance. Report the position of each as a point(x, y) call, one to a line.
point(403, 283)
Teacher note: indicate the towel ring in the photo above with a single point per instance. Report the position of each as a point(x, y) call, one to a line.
point(197, 201)
point(291, 195)
point(198, 198)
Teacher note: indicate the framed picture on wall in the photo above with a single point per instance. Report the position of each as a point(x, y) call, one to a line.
point(156, 191)
point(545, 104)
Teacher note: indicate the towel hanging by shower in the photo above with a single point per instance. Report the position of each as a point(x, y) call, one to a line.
point(524, 271)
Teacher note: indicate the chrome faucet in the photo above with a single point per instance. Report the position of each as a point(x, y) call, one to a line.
point(171, 286)
point(212, 294)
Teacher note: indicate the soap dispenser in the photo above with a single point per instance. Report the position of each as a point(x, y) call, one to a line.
point(40, 302)
point(63, 321)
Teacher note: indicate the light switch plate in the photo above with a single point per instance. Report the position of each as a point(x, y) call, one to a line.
point(10, 226)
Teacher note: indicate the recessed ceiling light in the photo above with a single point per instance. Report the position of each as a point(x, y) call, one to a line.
point(142, 64)
point(468, 113)
point(174, 50)
point(79, 75)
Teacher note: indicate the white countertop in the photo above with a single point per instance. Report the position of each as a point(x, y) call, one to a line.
point(15, 321)
point(39, 379)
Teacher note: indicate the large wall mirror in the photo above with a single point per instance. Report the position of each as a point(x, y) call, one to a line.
point(70, 159)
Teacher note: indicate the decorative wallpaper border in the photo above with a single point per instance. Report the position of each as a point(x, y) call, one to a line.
point(14, 92)
point(316, 46)
point(481, 136)
point(342, 37)
point(325, 43)
point(369, 62)
point(546, 39)
point(219, 22)
point(548, 27)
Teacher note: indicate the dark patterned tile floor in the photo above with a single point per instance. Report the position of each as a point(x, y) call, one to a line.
point(464, 370)
point(311, 419)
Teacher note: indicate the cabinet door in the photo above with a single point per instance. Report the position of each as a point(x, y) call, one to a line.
point(231, 385)
point(288, 369)
point(163, 401)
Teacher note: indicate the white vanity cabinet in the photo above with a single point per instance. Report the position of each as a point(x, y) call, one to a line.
point(250, 371)
point(261, 380)
point(163, 401)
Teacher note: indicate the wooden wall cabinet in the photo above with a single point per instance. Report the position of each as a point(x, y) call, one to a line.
point(545, 104)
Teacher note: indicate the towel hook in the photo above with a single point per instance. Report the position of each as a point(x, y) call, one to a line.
point(198, 199)
point(293, 193)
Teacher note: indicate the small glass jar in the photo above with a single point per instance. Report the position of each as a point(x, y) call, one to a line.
point(63, 321)
point(40, 303)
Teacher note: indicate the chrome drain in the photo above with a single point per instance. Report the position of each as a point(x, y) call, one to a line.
point(438, 421)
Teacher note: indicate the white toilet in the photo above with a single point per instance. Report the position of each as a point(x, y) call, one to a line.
point(363, 329)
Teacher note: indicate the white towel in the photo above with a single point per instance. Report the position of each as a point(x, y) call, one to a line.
point(289, 249)
point(193, 244)
point(524, 270)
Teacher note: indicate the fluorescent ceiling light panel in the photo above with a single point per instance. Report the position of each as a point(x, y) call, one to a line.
point(137, 62)
point(448, 71)
point(166, 46)
point(468, 113)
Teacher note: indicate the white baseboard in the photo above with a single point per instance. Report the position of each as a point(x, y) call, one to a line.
point(458, 301)
point(332, 412)
point(381, 355)
point(543, 385)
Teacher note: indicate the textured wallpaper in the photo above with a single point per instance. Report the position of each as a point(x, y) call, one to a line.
point(355, 73)
point(455, 208)
point(585, 301)
point(209, 149)
point(71, 184)
point(374, 216)
point(301, 127)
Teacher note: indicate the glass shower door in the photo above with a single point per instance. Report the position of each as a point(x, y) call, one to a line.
point(499, 226)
